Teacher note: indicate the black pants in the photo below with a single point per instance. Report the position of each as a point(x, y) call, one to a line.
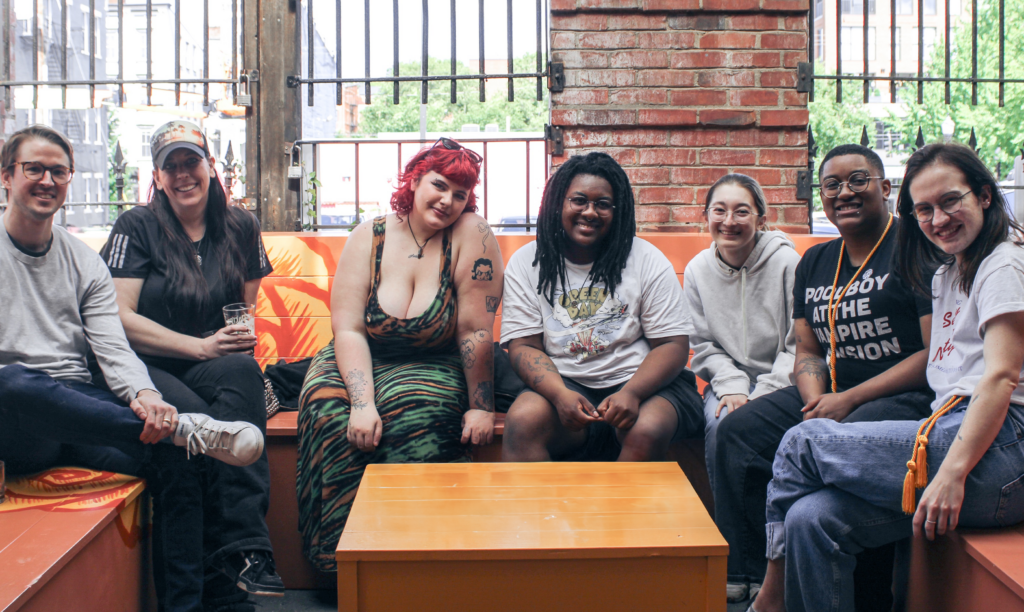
point(746, 443)
point(234, 499)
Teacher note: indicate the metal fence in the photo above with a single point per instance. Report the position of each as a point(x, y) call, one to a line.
point(896, 77)
point(540, 74)
point(493, 192)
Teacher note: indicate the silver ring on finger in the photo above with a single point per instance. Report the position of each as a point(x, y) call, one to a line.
point(932, 522)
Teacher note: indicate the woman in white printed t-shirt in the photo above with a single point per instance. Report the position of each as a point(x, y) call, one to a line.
point(597, 328)
point(838, 488)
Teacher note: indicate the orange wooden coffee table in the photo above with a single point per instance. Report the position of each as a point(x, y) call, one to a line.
point(530, 536)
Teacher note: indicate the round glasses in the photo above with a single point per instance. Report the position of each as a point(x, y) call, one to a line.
point(719, 214)
point(951, 204)
point(857, 183)
point(35, 171)
point(578, 204)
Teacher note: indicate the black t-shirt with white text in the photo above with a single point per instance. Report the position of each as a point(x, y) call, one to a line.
point(877, 323)
point(135, 249)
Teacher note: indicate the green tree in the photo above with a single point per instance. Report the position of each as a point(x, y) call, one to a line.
point(995, 128)
point(833, 123)
point(383, 115)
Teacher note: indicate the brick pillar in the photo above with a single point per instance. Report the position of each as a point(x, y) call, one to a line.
point(681, 92)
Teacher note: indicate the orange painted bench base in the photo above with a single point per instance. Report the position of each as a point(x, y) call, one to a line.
point(71, 539)
point(529, 536)
point(970, 570)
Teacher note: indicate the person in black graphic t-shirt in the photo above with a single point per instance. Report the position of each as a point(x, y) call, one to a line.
point(881, 334)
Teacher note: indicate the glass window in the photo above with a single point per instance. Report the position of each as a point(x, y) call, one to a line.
point(930, 6)
point(145, 131)
point(929, 43)
point(904, 7)
point(853, 43)
point(856, 7)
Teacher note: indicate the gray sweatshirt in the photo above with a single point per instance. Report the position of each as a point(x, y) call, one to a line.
point(56, 307)
point(744, 318)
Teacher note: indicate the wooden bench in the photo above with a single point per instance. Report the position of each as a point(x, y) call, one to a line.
point(71, 539)
point(294, 322)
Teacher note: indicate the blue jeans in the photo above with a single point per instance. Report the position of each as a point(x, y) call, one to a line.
point(45, 422)
point(838, 488)
point(711, 401)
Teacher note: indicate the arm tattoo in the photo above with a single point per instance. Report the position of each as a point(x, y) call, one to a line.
point(356, 387)
point(466, 350)
point(492, 303)
point(814, 367)
point(468, 347)
point(486, 231)
point(483, 397)
point(483, 270)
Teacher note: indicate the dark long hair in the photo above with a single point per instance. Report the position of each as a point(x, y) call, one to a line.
point(551, 238)
point(916, 254)
point(186, 291)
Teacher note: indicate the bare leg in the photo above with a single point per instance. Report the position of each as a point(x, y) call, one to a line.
point(533, 431)
point(650, 436)
point(772, 597)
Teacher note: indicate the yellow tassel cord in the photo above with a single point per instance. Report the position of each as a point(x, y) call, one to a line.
point(832, 297)
point(917, 467)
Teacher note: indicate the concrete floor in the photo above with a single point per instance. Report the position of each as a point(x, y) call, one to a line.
point(325, 601)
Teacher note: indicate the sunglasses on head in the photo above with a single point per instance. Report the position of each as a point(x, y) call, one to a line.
point(451, 145)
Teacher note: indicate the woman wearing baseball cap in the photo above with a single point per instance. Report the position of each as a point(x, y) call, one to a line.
point(176, 263)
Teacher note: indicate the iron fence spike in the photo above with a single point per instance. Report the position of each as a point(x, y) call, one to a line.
point(229, 156)
point(118, 156)
point(973, 142)
point(864, 137)
point(919, 142)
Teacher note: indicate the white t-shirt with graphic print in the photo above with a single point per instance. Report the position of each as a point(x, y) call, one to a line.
point(597, 339)
point(955, 358)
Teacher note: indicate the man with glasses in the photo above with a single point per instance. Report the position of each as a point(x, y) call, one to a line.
point(861, 352)
point(59, 312)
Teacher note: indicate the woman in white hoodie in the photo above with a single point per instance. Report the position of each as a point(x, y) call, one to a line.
point(744, 281)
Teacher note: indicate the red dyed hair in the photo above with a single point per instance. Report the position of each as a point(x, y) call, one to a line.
point(455, 165)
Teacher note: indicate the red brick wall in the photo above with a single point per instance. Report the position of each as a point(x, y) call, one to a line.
point(681, 92)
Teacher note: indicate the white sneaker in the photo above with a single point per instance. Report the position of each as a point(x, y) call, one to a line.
point(235, 443)
point(755, 588)
point(736, 592)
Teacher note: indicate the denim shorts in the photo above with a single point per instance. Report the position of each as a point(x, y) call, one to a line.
point(603, 445)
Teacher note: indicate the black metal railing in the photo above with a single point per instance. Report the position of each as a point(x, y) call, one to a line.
point(480, 145)
point(424, 78)
point(91, 77)
point(807, 75)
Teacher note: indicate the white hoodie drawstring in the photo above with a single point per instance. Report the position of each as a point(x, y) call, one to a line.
point(743, 308)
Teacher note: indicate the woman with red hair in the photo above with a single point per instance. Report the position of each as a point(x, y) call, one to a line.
point(409, 376)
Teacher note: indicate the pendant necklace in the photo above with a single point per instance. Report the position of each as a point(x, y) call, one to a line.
point(197, 245)
point(418, 255)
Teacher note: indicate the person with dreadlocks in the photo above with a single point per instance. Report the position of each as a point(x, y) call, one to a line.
point(840, 487)
point(597, 327)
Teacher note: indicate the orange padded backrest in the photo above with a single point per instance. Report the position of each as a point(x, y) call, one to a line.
point(294, 305)
point(294, 302)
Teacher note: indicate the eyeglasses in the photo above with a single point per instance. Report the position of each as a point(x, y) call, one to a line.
point(719, 214)
point(857, 182)
point(451, 145)
point(188, 165)
point(925, 212)
point(35, 171)
point(580, 204)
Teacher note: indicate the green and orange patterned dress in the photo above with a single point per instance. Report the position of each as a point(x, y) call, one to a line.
point(420, 394)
